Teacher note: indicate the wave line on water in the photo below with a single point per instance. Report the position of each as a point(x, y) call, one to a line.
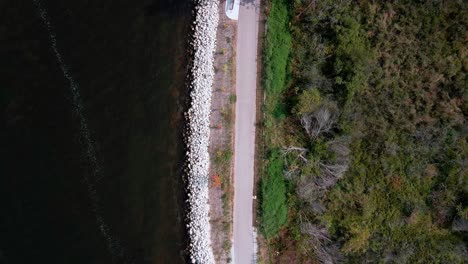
point(113, 244)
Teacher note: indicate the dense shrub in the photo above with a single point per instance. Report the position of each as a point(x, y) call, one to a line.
point(374, 136)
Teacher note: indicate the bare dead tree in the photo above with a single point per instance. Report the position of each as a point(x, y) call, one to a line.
point(335, 171)
point(330, 173)
point(318, 232)
point(293, 169)
point(316, 177)
point(340, 147)
point(306, 188)
point(291, 173)
point(312, 3)
point(460, 225)
point(301, 152)
point(311, 188)
point(319, 237)
point(318, 122)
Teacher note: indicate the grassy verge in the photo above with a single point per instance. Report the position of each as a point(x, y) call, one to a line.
point(274, 209)
point(277, 43)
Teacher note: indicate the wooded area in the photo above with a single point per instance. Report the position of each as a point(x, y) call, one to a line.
point(365, 132)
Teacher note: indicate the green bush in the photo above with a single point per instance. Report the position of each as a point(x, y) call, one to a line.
point(274, 203)
point(353, 56)
point(222, 157)
point(308, 102)
point(232, 98)
point(276, 48)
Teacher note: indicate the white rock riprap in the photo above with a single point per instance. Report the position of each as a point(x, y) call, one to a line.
point(198, 130)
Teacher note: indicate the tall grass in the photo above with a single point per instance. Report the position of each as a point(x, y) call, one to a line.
point(276, 48)
point(277, 45)
point(274, 209)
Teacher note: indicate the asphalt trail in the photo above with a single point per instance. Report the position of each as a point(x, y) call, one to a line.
point(246, 81)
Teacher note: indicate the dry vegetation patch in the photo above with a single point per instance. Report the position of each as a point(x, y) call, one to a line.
point(221, 138)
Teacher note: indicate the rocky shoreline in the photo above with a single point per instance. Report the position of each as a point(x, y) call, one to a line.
point(198, 130)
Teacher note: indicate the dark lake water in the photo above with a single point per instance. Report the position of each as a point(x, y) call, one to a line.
point(129, 62)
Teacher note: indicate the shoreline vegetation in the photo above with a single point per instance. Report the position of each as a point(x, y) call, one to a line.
point(198, 130)
point(364, 132)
